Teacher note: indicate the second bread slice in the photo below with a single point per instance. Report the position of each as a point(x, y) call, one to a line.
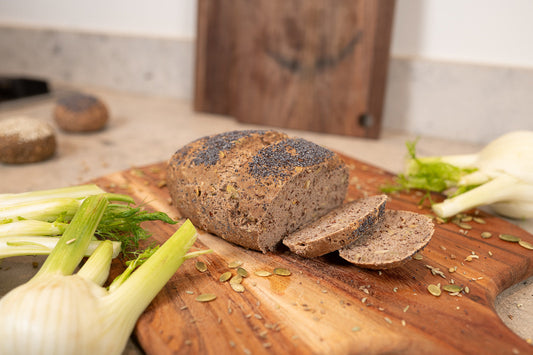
point(399, 236)
point(338, 228)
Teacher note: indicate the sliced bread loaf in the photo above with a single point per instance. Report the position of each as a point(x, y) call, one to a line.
point(255, 187)
point(338, 228)
point(398, 236)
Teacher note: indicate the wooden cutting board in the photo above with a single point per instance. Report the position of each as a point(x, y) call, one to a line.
point(318, 65)
point(328, 306)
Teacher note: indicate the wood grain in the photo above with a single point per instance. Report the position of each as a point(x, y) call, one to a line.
point(328, 306)
point(316, 65)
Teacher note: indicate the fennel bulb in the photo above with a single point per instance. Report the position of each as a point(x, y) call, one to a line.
point(500, 175)
point(58, 312)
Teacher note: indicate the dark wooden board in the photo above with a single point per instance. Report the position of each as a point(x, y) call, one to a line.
point(328, 306)
point(316, 65)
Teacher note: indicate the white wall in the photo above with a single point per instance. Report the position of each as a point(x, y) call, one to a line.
point(167, 18)
point(483, 31)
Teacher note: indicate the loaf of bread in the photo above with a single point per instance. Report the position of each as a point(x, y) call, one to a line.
point(26, 140)
point(398, 236)
point(338, 228)
point(79, 112)
point(255, 187)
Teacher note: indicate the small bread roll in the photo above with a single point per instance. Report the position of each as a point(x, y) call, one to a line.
point(26, 140)
point(78, 112)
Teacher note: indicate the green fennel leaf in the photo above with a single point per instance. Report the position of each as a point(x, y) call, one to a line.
point(123, 223)
point(427, 174)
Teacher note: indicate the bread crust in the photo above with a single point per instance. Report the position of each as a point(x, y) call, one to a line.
point(78, 112)
point(254, 187)
point(26, 140)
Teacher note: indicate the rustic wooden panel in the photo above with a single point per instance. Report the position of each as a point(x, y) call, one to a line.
point(328, 306)
point(315, 65)
point(215, 42)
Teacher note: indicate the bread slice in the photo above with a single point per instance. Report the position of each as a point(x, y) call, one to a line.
point(338, 228)
point(254, 187)
point(397, 237)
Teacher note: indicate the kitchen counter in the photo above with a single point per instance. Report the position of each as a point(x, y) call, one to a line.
point(146, 129)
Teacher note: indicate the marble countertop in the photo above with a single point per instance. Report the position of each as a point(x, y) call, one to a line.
point(148, 129)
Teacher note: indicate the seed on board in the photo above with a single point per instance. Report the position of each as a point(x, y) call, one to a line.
point(262, 273)
point(509, 238)
point(526, 245)
point(466, 219)
point(479, 220)
point(225, 276)
point(440, 220)
point(418, 256)
point(237, 287)
point(241, 271)
point(464, 225)
point(237, 279)
point(282, 271)
point(206, 297)
point(200, 266)
point(235, 264)
point(486, 235)
point(452, 288)
point(472, 256)
point(436, 271)
point(434, 290)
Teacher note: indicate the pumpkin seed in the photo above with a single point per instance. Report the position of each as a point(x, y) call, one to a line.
point(452, 288)
point(235, 264)
point(201, 266)
point(486, 235)
point(237, 279)
point(440, 220)
point(434, 290)
point(466, 219)
point(206, 297)
point(479, 220)
point(241, 271)
point(263, 273)
point(526, 245)
point(237, 287)
point(418, 256)
point(509, 238)
point(225, 276)
point(464, 225)
point(282, 271)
